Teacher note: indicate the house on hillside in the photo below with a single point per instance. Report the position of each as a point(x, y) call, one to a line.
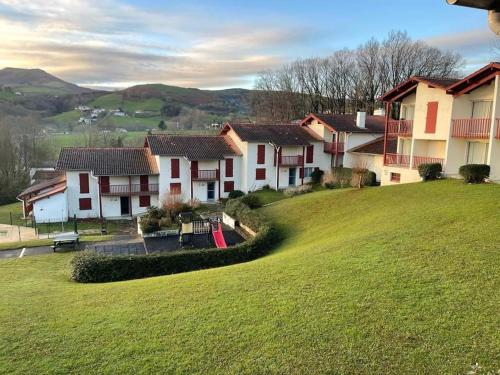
point(440, 120)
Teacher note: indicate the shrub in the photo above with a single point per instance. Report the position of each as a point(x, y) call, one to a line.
point(298, 190)
point(173, 205)
point(430, 171)
point(266, 187)
point(154, 213)
point(252, 201)
point(474, 173)
point(371, 179)
point(316, 176)
point(165, 222)
point(331, 185)
point(149, 224)
point(242, 213)
point(236, 194)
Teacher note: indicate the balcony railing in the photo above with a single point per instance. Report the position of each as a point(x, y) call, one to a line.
point(417, 160)
point(401, 128)
point(475, 128)
point(399, 160)
point(129, 189)
point(205, 174)
point(497, 134)
point(291, 160)
point(333, 147)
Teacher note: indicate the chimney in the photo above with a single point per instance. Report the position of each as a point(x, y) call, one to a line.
point(361, 120)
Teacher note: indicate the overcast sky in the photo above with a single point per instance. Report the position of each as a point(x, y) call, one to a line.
point(216, 44)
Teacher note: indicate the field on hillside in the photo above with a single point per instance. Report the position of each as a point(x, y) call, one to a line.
point(393, 280)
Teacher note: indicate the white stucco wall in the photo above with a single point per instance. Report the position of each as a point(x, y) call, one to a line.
point(73, 195)
point(51, 209)
point(373, 162)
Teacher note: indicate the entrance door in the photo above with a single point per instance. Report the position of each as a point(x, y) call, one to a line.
point(292, 175)
point(210, 191)
point(124, 206)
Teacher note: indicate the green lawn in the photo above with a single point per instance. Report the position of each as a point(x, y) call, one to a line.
point(114, 101)
point(392, 280)
point(269, 196)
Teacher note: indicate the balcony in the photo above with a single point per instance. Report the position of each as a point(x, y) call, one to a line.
point(399, 160)
point(417, 160)
point(400, 128)
point(333, 147)
point(474, 128)
point(497, 134)
point(129, 189)
point(291, 161)
point(205, 174)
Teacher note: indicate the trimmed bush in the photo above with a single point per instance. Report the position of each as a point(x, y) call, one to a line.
point(298, 190)
point(165, 222)
point(316, 176)
point(474, 173)
point(149, 224)
point(236, 194)
point(89, 267)
point(430, 171)
point(154, 212)
point(251, 201)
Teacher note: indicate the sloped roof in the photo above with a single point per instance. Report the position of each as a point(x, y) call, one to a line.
point(193, 147)
point(39, 186)
point(410, 85)
point(480, 77)
point(59, 188)
point(44, 175)
point(376, 146)
point(282, 135)
point(108, 161)
point(347, 123)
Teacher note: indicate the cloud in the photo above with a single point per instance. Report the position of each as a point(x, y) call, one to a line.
point(107, 43)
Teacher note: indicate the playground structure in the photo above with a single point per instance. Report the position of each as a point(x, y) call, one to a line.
point(212, 228)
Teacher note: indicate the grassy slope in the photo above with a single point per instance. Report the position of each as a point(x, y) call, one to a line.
point(394, 280)
point(114, 101)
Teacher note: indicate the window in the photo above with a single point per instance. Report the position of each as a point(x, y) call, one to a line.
point(84, 183)
point(310, 154)
point(104, 184)
point(228, 186)
point(194, 169)
point(308, 172)
point(261, 154)
point(482, 108)
point(432, 111)
point(144, 201)
point(395, 177)
point(174, 168)
point(260, 174)
point(229, 167)
point(85, 204)
point(144, 182)
point(175, 188)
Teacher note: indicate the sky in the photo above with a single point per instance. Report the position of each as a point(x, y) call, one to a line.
point(217, 44)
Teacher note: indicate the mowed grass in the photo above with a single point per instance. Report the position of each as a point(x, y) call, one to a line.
point(393, 280)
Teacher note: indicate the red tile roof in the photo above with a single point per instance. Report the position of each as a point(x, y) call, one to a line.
point(39, 186)
point(282, 135)
point(376, 146)
point(480, 77)
point(52, 191)
point(409, 86)
point(44, 175)
point(193, 147)
point(124, 161)
point(347, 123)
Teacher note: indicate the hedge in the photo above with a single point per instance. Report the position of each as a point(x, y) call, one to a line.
point(474, 173)
point(430, 171)
point(89, 267)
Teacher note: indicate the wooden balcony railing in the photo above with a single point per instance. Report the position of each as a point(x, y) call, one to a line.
point(401, 128)
point(333, 147)
point(417, 160)
point(399, 160)
point(291, 160)
point(129, 189)
point(205, 174)
point(474, 128)
point(497, 134)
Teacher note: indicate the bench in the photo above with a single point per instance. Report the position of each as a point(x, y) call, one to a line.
point(68, 238)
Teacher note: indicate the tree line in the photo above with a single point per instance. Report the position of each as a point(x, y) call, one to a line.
point(348, 80)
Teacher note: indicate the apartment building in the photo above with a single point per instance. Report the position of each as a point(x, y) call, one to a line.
point(440, 120)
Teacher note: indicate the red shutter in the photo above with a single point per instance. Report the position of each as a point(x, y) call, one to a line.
point(432, 110)
point(84, 182)
point(174, 166)
point(85, 204)
point(144, 201)
point(310, 154)
point(175, 188)
point(144, 184)
point(261, 154)
point(194, 168)
point(260, 174)
point(105, 184)
point(229, 167)
point(228, 186)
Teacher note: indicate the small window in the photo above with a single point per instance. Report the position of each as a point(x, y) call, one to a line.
point(174, 168)
point(84, 183)
point(85, 204)
point(229, 167)
point(308, 172)
point(395, 177)
point(260, 174)
point(175, 188)
point(310, 154)
point(261, 154)
point(144, 201)
point(228, 186)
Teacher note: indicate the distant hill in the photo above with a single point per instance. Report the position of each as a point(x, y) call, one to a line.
point(37, 81)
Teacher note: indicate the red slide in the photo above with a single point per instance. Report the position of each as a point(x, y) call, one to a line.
point(220, 242)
